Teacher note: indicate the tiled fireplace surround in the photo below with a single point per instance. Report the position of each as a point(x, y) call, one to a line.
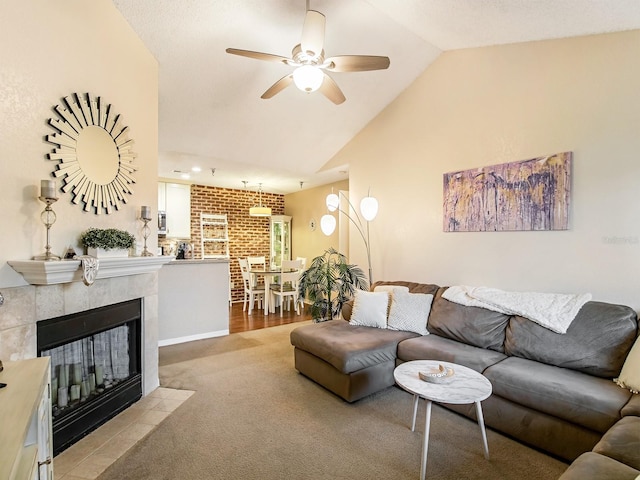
point(24, 306)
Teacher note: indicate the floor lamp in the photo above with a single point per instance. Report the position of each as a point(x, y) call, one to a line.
point(368, 210)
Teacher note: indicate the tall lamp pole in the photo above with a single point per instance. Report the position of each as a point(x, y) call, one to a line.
point(368, 210)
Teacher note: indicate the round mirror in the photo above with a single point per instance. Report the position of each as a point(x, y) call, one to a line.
point(97, 155)
point(94, 153)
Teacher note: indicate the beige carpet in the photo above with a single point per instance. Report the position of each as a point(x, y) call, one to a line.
point(253, 416)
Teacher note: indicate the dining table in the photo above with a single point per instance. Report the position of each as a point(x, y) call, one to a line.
point(269, 275)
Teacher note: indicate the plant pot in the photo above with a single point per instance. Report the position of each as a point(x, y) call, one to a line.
point(112, 253)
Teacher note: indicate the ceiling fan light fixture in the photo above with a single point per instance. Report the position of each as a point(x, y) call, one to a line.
point(308, 78)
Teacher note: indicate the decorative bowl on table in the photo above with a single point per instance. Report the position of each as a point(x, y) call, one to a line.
point(439, 374)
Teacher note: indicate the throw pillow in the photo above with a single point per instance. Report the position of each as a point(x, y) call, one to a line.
point(410, 312)
point(370, 309)
point(630, 373)
point(391, 289)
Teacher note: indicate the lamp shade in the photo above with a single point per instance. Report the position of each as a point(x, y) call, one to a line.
point(260, 211)
point(327, 224)
point(369, 208)
point(308, 78)
point(333, 202)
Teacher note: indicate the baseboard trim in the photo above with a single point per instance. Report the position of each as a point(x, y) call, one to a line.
point(191, 338)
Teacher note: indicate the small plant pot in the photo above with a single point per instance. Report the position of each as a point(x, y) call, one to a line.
point(112, 253)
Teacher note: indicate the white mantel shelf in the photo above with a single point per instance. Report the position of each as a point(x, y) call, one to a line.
point(39, 272)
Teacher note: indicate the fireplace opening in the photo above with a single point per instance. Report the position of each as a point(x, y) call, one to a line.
point(95, 367)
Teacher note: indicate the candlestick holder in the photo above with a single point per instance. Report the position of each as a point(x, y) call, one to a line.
point(48, 217)
point(145, 234)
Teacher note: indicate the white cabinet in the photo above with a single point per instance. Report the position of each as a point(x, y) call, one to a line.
point(25, 416)
point(280, 239)
point(175, 200)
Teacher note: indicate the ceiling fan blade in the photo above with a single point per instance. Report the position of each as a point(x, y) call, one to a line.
point(330, 89)
point(277, 87)
point(356, 63)
point(258, 55)
point(313, 33)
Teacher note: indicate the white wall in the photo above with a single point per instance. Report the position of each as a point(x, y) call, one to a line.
point(49, 50)
point(487, 106)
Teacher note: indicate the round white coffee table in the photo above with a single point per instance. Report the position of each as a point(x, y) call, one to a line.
point(466, 386)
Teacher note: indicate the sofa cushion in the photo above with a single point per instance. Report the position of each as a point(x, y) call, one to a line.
point(622, 442)
point(583, 399)
point(433, 347)
point(370, 309)
point(413, 287)
point(471, 325)
point(596, 342)
point(598, 467)
point(348, 348)
point(632, 407)
point(410, 312)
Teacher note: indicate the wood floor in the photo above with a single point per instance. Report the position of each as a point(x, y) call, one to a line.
point(240, 321)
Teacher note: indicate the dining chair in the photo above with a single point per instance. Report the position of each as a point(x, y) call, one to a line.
point(257, 263)
point(286, 289)
point(291, 264)
point(303, 260)
point(303, 267)
point(252, 293)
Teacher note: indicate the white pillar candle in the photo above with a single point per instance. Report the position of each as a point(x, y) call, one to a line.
point(84, 388)
point(48, 188)
point(145, 213)
point(63, 375)
point(99, 373)
point(62, 397)
point(77, 373)
point(54, 390)
point(74, 392)
point(92, 382)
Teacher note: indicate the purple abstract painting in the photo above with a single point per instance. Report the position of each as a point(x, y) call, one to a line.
point(526, 195)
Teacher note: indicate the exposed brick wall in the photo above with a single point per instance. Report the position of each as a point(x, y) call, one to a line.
point(248, 236)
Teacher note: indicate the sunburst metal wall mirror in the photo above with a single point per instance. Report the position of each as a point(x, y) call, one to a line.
point(93, 149)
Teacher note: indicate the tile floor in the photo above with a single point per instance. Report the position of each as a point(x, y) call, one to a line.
point(88, 458)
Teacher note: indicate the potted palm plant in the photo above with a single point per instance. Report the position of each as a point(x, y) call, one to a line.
point(108, 242)
point(329, 283)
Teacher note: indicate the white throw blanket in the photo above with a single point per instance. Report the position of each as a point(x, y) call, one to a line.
point(554, 311)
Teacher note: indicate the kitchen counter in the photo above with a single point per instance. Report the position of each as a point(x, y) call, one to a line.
point(193, 300)
point(191, 261)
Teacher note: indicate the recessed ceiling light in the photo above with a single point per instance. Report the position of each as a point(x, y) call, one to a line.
point(196, 169)
point(185, 176)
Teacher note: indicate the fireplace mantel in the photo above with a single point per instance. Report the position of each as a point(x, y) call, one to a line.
point(40, 272)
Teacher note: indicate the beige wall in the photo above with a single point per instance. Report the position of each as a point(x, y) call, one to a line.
point(50, 50)
point(304, 206)
point(486, 106)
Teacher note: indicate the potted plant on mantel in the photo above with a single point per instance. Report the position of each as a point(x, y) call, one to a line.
point(329, 283)
point(107, 242)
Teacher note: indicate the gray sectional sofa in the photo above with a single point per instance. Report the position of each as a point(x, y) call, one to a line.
point(551, 391)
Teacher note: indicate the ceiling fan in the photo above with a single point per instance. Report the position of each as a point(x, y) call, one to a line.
point(310, 63)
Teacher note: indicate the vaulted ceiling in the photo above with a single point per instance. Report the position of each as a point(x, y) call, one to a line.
point(211, 113)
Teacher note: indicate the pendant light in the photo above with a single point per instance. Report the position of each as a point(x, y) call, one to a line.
point(260, 211)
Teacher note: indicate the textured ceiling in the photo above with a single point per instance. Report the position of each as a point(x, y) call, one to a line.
point(211, 113)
